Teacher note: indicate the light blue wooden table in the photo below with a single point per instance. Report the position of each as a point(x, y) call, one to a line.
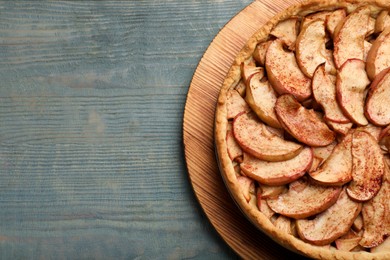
point(91, 105)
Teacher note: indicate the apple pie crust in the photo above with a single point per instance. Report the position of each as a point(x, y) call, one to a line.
point(302, 129)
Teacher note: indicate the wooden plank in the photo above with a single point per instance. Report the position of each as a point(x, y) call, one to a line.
point(91, 106)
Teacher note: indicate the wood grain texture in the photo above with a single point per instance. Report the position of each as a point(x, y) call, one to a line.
point(92, 96)
point(225, 216)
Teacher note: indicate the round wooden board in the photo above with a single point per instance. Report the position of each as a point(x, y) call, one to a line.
point(225, 216)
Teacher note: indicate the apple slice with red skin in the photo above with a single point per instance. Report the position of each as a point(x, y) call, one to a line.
point(261, 97)
point(284, 73)
point(247, 186)
point(324, 92)
point(271, 191)
point(337, 169)
point(382, 21)
point(310, 46)
point(349, 38)
point(260, 52)
point(351, 83)
point(333, 19)
point(376, 215)
point(377, 108)
point(329, 225)
point(235, 104)
point(248, 71)
point(384, 137)
point(304, 199)
point(287, 31)
point(302, 123)
point(368, 167)
point(254, 138)
point(277, 173)
point(378, 58)
point(234, 150)
point(348, 241)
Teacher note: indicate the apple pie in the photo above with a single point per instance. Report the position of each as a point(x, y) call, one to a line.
point(302, 129)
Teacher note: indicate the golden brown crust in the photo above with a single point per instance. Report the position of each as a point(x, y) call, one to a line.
point(229, 176)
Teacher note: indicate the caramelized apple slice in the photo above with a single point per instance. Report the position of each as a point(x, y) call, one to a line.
point(287, 31)
point(330, 224)
point(304, 199)
point(310, 46)
point(254, 138)
point(284, 73)
point(368, 167)
point(324, 92)
point(261, 97)
point(378, 57)
point(349, 39)
point(376, 215)
point(302, 123)
point(277, 173)
point(337, 169)
point(235, 104)
point(377, 107)
point(351, 84)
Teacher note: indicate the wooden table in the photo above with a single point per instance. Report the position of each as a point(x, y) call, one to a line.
point(92, 97)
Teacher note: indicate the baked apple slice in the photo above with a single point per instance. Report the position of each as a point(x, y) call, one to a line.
point(382, 21)
point(376, 215)
point(334, 19)
point(303, 199)
point(310, 46)
point(378, 57)
point(247, 186)
point(240, 88)
point(368, 167)
point(260, 52)
point(254, 138)
point(340, 128)
point(349, 241)
point(271, 191)
point(284, 73)
point(235, 104)
point(384, 138)
point(277, 173)
point(329, 225)
point(349, 39)
point(302, 123)
point(351, 84)
point(248, 71)
point(324, 92)
point(287, 31)
point(337, 169)
point(261, 97)
point(234, 150)
point(377, 108)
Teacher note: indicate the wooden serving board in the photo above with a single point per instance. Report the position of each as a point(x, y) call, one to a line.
point(225, 216)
